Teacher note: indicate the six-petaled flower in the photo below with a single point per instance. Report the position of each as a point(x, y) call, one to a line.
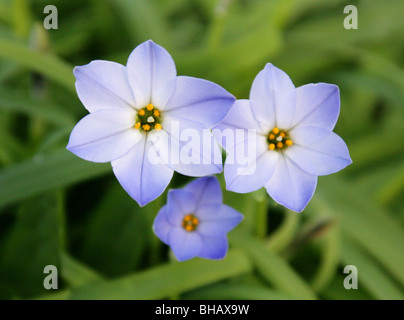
point(292, 131)
point(138, 115)
point(195, 222)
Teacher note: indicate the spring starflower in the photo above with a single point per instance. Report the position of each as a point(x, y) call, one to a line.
point(195, 222)
point(292, 133)
point(141, 117)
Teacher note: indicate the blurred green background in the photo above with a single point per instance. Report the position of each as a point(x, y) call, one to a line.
point(56, 209)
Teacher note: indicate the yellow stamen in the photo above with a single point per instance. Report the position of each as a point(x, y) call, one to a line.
point(189, 227)
point(279, 145)
point(271, 146)
point(156, 113)
point(275, 130)
point(141, 112)
point(188, 217)
point(149, 107)
point(195, 221)
point(282, 134)
point(271, 136)
point(157, 126)
point(146, 127)
point(137, 125)
point(288, 142)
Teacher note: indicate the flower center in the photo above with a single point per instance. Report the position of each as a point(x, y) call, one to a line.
point(278, 139)
point(148, 118)
point(190, 222)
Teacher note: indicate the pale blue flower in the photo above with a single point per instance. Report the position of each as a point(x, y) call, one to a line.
point(139, 115)
point(293, 138)
point(195, 222)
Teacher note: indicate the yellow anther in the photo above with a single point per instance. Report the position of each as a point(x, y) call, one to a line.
point(189, 227)
point(279, 145)
point(271, 136)
point(275, 130)
point(157, 126)
point(141, 112)
point(149, 107)
point(137, 125)
point(271, 146)
point(283, 134)
point(195, 221)
point(288, 142)
point(188, 217)
point(146, 127)
point(156, 113)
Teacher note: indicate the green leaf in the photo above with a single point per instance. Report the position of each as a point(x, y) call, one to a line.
point(76, 273)
point(166, 280)
point(44, 63)
point(43, 173)
point(365, 221)
point(16, 101)
point(117, 232)
point(272, 267)
point(237, 292)
point(370, 273)
point(32, 245)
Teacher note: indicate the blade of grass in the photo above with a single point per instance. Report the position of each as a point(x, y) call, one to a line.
point(166, 280)
point(45, 172)
point(46, 64)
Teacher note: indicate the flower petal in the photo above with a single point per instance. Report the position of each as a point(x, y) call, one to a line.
point(103, 85)
point(162, 226)
point(272, 96)
point(199, 100)
point(214, 247)
point(317, 105)
point(216, 221)
point(291, 186)
point(152, 73)
point(206, 190)
point(329, 155)
point(249, 173)
point(239, 121)
point(104, 135)
point(141, 177)
point(185, 245)
point(188, 148)
point(180, 203)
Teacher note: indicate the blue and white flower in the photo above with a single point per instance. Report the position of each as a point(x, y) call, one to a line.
point(195, 222)
point(291, 130)
point(142, 111)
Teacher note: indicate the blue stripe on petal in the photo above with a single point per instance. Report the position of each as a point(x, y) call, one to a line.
point(142, 178)
point(199, 100)
point(105, 135)
point(329, 155)
point(290, 186)
point(185, 245)
point(151, 73)
point(216, 221)
point(206, 190)
point(180, 203)
point(271, 95)
point(246, 170)
point(214, 248)
point(317, 105)
point(103, 85)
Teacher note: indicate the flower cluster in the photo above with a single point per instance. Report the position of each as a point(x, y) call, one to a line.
point(149, 122)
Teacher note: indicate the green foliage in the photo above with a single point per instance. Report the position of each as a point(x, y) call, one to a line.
point(56, 209)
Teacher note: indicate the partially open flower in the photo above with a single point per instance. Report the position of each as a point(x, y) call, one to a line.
point(195, 222)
